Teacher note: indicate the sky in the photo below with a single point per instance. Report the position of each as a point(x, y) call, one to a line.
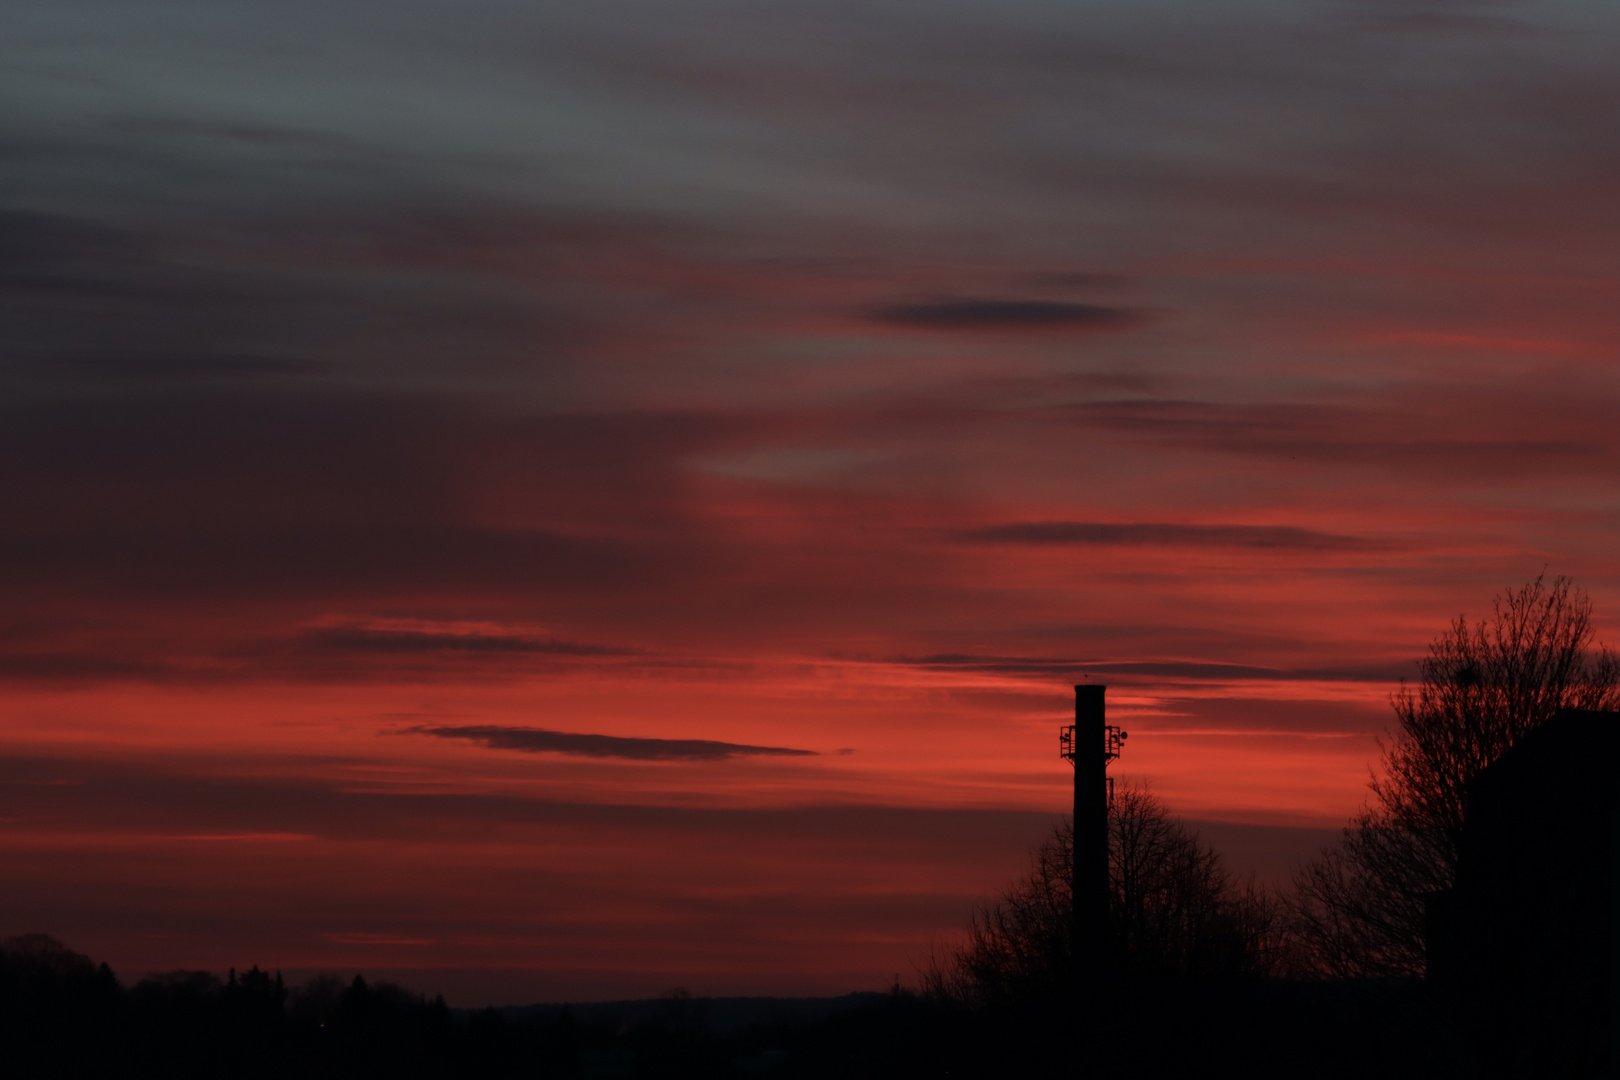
point(550, 502)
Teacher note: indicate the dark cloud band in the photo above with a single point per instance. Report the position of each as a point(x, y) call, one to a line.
point(364, 640)
point(983, 314)
point(1155, 534)
point(1049, 667)
point(540, 741)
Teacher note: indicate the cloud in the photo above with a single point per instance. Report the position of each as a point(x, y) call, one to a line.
point(1076, 279)
point(1448, 18)
point(521, 396)
point(81, 667)
point(263, 135)
point(312, 561)
point(235, 488)
point(30, 242)
point(110, 364)
point(1404, 433)
point(1270, 537)
point(57, 651)
point(540, 741)
point(1053, 667)
point(348, 639)
point(166, 796)
point(980, 314)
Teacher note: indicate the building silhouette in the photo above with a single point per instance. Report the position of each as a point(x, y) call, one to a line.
point(1521, 951)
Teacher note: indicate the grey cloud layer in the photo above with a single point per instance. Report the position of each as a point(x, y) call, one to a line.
point(308, 335)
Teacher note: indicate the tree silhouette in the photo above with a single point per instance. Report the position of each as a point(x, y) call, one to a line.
point(1358, 910)
point(1175, 908)
point(1018, 947)
point(1174, 911)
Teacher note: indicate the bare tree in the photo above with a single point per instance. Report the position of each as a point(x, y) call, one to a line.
point(1017, 947)
point(1175, 907)
point(1174, 910)
point(1359, 908)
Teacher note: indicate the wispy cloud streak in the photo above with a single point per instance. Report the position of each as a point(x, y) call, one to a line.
point(979, 314)
point(1046, 668)
point(344, 639)
point(541, 741)
point(1157, 534)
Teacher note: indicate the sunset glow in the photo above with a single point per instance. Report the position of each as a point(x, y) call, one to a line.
point(379, 379)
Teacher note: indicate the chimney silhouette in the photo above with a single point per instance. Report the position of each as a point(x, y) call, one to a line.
point(1090, 745)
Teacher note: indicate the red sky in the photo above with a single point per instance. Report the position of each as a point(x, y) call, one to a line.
point(387, 392)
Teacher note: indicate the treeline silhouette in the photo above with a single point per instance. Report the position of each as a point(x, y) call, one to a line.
point(64, 1016)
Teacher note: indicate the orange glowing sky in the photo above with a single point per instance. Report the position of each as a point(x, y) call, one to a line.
point(383, 387)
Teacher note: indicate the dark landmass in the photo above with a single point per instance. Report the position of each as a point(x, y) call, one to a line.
point(62, 1015)
point(724, 1016)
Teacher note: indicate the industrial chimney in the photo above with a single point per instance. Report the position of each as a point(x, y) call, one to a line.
point(1093, 790)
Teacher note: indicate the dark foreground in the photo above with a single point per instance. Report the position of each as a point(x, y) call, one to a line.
point(63, 1016)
